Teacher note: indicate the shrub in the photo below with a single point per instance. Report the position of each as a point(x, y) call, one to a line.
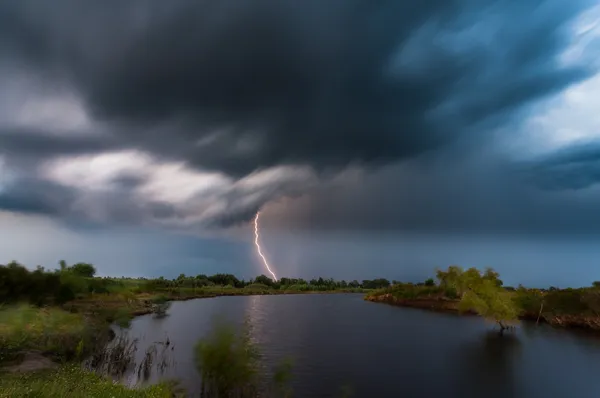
point(228, 362)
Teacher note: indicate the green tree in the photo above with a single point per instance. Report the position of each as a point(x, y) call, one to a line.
point(84, 269)
point(485, 297)
point(262, 279)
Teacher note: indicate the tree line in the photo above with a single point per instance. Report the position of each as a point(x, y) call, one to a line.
point(231, 280)
point(56, 286)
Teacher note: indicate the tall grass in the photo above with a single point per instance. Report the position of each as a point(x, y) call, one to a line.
point(228, 361)
point(49, 330)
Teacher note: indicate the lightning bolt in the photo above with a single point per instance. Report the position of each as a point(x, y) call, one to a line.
point(256, 236)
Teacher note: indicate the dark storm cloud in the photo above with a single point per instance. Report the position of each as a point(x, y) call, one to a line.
point(269, 82)
point(572, 168)
point(240, 86)
point(36, 196)
point(41, 145)
point(469, 195)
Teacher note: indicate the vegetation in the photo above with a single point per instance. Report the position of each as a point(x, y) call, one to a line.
point(77, 282)
point(228, 362)
point(73, 381)
point(64, 313)
point(47, 330)
point(484, 293)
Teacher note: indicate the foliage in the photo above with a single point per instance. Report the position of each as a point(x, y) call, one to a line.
point(40, 286)
point(490, 301)
point(84, 269)
point(67, 283)
point(52, 330)
point(375, 283)
point(228, 362)
point(73, 381)
point(480, 292)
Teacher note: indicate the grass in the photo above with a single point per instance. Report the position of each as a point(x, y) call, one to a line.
point(72, 381)
point(228, 362)
point(49, 330)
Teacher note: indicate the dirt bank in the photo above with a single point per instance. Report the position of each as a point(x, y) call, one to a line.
point(440, 304)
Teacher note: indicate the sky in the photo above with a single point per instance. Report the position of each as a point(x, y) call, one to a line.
point(377, 139)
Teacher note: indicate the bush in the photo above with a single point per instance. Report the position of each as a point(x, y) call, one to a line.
point(40, 287)
point(228, 362)
point(451, 293)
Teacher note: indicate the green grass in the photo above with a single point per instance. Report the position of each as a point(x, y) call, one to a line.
point(52, 330)
point(73, 381)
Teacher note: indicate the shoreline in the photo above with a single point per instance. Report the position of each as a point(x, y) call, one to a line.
point(450, 306)
point(149, 310)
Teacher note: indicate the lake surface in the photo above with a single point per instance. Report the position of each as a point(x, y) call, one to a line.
point(339, 340)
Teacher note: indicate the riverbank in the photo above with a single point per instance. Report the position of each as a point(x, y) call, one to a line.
point(38, 341)
point(73, 381)
point(438, 303)
point(112, 306)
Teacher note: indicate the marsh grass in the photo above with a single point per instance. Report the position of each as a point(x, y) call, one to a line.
point(74, 382)
point(48, 330)
point(228, 361)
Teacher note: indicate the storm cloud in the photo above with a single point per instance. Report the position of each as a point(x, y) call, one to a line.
point(298, 91)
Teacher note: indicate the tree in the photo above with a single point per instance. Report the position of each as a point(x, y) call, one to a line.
point(596, 284)
point(483, 295)
point(84, 269)
point(354, 284)
point(493, 276)
point(450, 278)
point(264, 280)
point(429, 282)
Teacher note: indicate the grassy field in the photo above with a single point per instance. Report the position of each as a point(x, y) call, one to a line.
point(47, 330)
point(73, 381)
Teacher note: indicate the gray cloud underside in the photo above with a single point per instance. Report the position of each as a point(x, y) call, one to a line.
point(466, 196)
point(240, 86)
point(573, 168)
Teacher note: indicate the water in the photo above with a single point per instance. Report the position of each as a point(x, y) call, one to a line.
point(377, 350)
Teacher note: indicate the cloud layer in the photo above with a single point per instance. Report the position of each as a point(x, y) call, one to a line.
point(184, 113)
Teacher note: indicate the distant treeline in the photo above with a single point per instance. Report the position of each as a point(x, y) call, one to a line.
point(230, 280)
point(43, 286)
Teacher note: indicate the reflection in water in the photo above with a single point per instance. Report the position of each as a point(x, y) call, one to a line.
point(382, 351)
point(486, 365)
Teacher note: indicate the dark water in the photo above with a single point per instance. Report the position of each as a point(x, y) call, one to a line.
point(378, 350)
